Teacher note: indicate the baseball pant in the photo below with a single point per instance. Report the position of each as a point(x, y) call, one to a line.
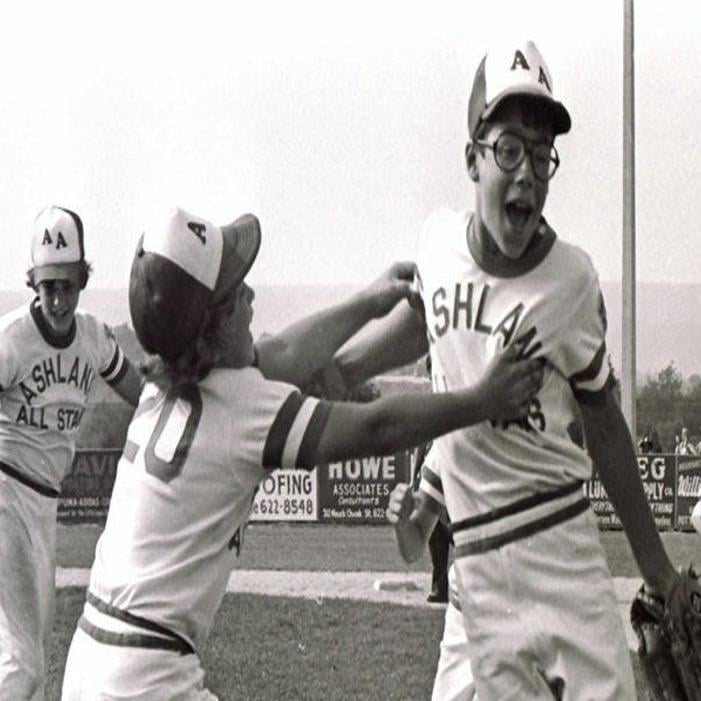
point(97, 671)
point(27, 580)
point(542, 618)
point(453, 681)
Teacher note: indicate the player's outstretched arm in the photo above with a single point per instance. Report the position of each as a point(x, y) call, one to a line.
point(297, 353)
point(412, 520)
point(611, 449)
point(396, 340)
point(403, 421)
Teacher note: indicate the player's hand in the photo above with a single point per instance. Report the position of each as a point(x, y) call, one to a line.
point(395, 284)
point(401, 503)
point(509, 385)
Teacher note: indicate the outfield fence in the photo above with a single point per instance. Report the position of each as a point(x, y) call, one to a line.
point(357, 491)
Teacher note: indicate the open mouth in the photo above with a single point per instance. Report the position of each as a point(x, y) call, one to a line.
point(59, 320)
point(518, 213)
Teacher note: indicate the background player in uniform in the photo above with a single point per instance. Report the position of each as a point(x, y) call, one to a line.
point(440, 539)
point(414, 517)
point(537, 597)
point(208, 429)
point(50, 355)
point(438, 542)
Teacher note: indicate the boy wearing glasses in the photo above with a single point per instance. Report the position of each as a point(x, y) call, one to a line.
point(538, 601)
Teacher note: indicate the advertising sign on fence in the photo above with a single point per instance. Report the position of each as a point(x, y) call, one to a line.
point(357, 491)
point(286, 495)
point(688, 489)
point(657, 475)
point(605, 513)
point(86, 490)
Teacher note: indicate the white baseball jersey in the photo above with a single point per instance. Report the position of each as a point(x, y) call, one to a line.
point(550, 308)
point(185, 484)
point(44, 387)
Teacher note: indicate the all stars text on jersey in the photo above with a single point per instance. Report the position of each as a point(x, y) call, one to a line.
point(466, 307)
point(43, 375)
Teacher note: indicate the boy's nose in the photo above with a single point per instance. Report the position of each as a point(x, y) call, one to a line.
point(524, 172)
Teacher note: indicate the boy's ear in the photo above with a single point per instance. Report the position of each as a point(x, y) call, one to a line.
point(471, 162)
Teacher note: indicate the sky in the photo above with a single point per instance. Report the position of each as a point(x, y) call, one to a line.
point(340, 125)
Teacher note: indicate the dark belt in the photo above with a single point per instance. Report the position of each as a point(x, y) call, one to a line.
point(171, 640)
point(28, 482)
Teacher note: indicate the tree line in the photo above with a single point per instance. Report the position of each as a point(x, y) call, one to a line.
point(666, 403)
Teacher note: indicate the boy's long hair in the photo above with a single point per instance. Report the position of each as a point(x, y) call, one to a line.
point(197, 361)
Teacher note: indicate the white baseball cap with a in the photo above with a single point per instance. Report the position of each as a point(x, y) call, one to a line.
point(513, 69)
point(57, 244)
point(183, 265)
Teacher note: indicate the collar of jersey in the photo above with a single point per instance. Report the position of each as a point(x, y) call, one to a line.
point(45, 330)
point(499, 266)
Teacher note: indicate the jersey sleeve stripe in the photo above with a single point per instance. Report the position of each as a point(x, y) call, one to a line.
point(434, 499)
point(430, 490)
point(432, 487)
point(277, 436)
point(297, 432)
point(432, 478)
point(595, 398)
point(120, 375)
point(593, 370)
point(116, 369)
point(315, 428)
point(595, 385)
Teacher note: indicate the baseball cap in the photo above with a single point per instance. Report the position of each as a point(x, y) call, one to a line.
point(182, 266)
point(513, 69)
point(57, 245)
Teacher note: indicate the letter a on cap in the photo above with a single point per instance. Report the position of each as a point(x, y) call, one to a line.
point(199, 255)
point(198, 230)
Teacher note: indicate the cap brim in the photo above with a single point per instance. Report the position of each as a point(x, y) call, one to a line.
point(241, 244)
point(58, 271)
point(560, 116)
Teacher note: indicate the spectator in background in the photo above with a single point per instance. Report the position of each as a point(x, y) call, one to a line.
point(684, 447)
point(645, 444)
point(654, 439)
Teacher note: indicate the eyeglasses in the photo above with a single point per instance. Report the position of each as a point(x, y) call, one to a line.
point(510, 150)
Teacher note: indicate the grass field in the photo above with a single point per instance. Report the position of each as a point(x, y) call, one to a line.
point(284, 649)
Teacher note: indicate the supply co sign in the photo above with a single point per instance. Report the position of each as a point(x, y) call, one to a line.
point(357, 491)
point(657, 473)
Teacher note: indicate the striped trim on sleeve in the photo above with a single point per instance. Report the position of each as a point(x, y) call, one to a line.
point(590, 382)
point(432, 487)
point(116, 369)
point(295, 432)
point(317, 423)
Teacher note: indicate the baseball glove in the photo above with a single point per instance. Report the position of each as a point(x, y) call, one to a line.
point(669, 639)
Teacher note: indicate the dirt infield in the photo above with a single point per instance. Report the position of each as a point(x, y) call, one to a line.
point(406, 589)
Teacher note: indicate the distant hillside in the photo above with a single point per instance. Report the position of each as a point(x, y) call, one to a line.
point(668, 326)
point(668, 318)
